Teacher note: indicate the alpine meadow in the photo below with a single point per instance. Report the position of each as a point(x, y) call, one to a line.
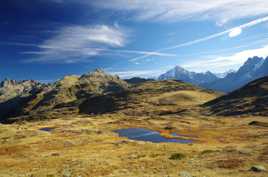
point(134, 88)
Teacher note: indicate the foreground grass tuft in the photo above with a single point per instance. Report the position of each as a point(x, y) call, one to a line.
point(177, 156)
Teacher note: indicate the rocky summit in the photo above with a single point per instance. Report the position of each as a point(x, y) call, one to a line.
point(10, 88)
point(29, 98)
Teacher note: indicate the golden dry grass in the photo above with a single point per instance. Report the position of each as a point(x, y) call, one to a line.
point(87, 146)
point(183, 98)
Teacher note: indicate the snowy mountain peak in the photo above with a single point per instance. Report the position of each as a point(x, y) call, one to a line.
point(179, 73)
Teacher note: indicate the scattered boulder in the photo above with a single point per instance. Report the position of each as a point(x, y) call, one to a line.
point(258, 123)
point(177, 156)
point(257, 168)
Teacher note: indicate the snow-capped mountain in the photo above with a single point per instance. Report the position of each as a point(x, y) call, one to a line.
point(253, 68)
point(224, 74)
point(179, 73)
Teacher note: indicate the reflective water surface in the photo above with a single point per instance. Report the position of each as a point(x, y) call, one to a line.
point(141, 134)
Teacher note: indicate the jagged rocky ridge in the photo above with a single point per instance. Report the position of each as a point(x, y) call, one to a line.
point(72, 93)
point(10, 88)
point(252, 69)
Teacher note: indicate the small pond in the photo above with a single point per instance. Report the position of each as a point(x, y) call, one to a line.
point(141, 134)
point(46, 129)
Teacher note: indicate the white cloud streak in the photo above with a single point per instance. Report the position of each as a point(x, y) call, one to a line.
point(79, 43)
point(224, 63)
point(76, 43)
point(233, 32)
point(140, 52)
point(138, 73)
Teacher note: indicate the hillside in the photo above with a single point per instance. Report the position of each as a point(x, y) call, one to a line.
point(61, 97)
point(98, 93)
point(88, 144)
point(137, 80)
point(251, 99)
point(164, 98)
point(81, 117)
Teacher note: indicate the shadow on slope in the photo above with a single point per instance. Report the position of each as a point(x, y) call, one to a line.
point(251, 99)
point(165, 97)
point(104, 103)
point(147, 98)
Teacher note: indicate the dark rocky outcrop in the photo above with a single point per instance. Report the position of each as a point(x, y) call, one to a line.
point(137, 80)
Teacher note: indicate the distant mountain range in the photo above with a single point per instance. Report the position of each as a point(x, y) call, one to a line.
point(179, 73)
point(252, 69)
point(224, 74)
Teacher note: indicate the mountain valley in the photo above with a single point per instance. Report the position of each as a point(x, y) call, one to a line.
point(68, 128)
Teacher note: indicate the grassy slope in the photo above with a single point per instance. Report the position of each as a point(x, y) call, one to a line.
point(251, 99)
point(165, 97)
point(87, 146)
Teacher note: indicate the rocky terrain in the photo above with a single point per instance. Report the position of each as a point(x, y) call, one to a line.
point(97, 93)
point(68, 129)
point(64, 96)
point(10, 88)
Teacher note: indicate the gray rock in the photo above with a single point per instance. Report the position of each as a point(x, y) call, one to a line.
point(258, 168)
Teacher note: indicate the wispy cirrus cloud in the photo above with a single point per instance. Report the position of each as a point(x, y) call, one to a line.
point(139, 73)
point(221, 11)
point(73, 44)
point(232, 32)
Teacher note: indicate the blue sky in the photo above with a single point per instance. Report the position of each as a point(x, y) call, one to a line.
point(47, 39)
